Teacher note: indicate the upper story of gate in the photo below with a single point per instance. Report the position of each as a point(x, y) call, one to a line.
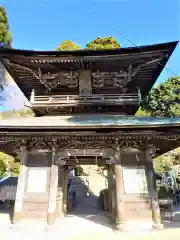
point(87, 81)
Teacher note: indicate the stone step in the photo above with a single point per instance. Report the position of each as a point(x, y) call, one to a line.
point(79, 181)
point(78, 185)
point(31, 206)
point(35, 214)
point(36, 210)
point(94, 181)
point(79, 192)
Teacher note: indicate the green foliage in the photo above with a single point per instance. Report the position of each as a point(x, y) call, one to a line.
point(176, 157)
point(176, 160)
point(163, 163)
point(79, 171)
point(103, 43)
point(5, 163)
point(24, 112)
point(166, 161)
point(165, 192)
point(159, 164)
point(5, 36)
point(14, 168)
point(3, 167)
point(68, 45)
point(164, 99)
point(8, 163)
point(142, 113)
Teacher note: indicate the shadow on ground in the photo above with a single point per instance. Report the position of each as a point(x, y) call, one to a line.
point(6, 212)
point(88, 208)
point(172, 224)
point(175, 223)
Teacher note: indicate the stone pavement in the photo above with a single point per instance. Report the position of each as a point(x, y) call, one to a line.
point(85, 222)
point(90, 225)
point(84, 226)
point(77, 228)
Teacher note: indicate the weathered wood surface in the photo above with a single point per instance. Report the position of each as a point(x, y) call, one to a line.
point(151, 180)
point(113, 71)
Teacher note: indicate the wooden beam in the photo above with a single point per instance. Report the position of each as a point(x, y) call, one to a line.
point(86, 152)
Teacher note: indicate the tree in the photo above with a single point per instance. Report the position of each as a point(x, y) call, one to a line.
point(142, 113)
point(24, 112)
point(167, 161)
point(163, 163)
point(14, 167)
point(8, 164)
point(103, 43)
point(176, 160)
point(164, 99)
point(3, 166)
point(5, 163)
point(68, 45)
point(5, 36)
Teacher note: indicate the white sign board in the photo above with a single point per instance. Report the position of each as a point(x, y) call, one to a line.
point(37, 181)
point(135, 181)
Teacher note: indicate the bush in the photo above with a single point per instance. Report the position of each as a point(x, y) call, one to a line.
point(165, 193)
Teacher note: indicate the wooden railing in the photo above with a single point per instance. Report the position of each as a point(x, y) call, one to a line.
point(73, 100)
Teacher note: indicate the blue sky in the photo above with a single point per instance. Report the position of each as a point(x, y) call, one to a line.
point(43, 24)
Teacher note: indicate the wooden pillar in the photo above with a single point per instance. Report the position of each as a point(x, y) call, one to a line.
point(53, 190)
point(65, 191)
point(59, 199)
point(112, 193)
point(119, 193)
point(18, 208)
point(113, 214)
point(156, 216)
point(110, 187)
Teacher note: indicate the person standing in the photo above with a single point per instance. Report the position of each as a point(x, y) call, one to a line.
point(70, 177)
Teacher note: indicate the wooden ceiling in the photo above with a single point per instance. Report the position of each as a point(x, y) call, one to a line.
point(152, 59)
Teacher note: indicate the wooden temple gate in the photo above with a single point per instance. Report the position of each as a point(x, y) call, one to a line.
point(42, 186)
point(87, 96)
